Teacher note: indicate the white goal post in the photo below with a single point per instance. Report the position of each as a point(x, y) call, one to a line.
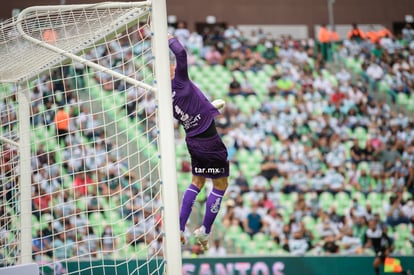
point(87, 157)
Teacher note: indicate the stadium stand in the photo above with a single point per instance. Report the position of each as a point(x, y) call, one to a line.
point(317, 149)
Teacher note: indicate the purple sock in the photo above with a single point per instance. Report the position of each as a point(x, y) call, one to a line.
point(212, 208)
point(187, 204)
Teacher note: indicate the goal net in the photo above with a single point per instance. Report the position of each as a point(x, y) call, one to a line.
point(86, 141)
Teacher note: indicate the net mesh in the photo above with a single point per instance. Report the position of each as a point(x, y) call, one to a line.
point(96, 196)
point(71, 30)
point(9, 165)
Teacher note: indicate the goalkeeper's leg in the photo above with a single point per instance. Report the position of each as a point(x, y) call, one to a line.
point(187, 203)
point(212, 208)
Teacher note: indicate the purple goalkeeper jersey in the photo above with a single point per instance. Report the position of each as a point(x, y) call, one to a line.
point(190, 106)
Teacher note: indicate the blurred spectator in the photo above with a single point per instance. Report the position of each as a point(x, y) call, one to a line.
point(359, 226)
point(40, 202)
point(253, 222)
point(81, 183)
point(137, 232)
point(213, 55)
point(356, 33)
point(394, 212)
point(285, 85)
point(297, 244)
point(157, 247)
point(408, 209)
point(182, 33)
point(48, 114)
point(235, 87)
point(195, 43)
point(326, 37)
point(108, 240)
point(269, 54)
point(89, 124)
point(242, 183)
point(41, 245)
point(229, 217)
point(350, 244)
point(63, 247)
point(374, 73)
point(329, 245)
point(407, 33)
point(274, 223)
point(327, 227)
point(246, 87)
point(365, 182)
point(217, 250)
point(91, 241)
point(62, 124)
point(8, 114)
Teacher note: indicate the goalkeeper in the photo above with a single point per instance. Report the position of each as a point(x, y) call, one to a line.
point(208, 152)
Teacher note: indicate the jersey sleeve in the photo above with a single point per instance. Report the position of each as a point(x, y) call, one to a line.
point(181, 70)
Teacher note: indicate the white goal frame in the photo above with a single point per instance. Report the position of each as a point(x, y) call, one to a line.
point(162, 89)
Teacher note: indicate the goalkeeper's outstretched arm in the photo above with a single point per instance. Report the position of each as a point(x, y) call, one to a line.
point(181, 66)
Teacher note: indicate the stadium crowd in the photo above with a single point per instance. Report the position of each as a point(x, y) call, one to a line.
point(335, 151)
point(321, 151)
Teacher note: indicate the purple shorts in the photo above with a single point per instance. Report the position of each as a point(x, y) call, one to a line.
point(208, 157)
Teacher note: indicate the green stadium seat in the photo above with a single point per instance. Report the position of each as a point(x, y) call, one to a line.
point(123, 252)
point(359, 196)
point(278, 147)
point(402, 99)
point(139, 251)
point(238, 75)
point(251, 248)
point(291, 100)
point(257, 156)
point(194, 72)
point(97, 222)
point(254, 102)
point(326, 200)
point(181, 149)
point(268, 69)
point(383, 87)
point(281, 252)
point(82, 203)
point(248, 172)
point(260, 237)
point(121, 227)
point(343, 202)
point(350, 63)
point(183, 180)
point(234, 230)
point(44, 220)
point(309, 222)
point(360, 133)
point(406, 195)
point(287, 201)
point(363, 165)
point(375, 200)
point(405, 248)
point(112, 216)
point(410, 104)
point(272, 246)
point(243, 155)
point(403, 231)
point(234, 170)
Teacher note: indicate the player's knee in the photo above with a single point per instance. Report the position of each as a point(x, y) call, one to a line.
point(199, 181)
point(220, 183)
